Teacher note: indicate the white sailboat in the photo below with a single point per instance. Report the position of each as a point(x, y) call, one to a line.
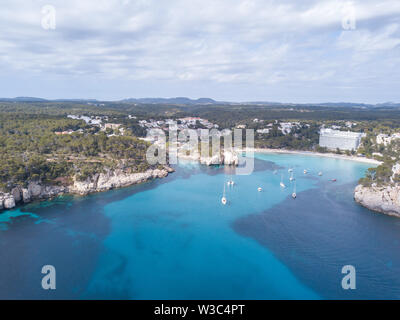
point(305, 171)
point(259, 189)
point(294, 195)
point(223, 199)
point(320, 173)
point(290, 170)
point(282, 184)
point(230, 182)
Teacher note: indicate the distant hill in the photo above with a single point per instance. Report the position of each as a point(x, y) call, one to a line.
point(184, 101)
point(23, 99)
point(177, 100)
point(34, 99)
point(389, 105)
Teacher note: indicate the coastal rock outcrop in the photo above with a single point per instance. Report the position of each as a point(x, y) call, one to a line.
point(6, 201)
point(26, 195)
point(35, 189)
point(380, 199)
point(114, 179)
point(231, 158)
point(99, 182)
point(227, 158)
point(16, 193)
point(9, 202)
point(209, 161)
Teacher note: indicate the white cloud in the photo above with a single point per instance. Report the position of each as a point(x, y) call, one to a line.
point(248, 42)
point(385, 39)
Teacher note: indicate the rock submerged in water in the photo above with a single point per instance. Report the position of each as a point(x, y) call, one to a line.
point(380, 199)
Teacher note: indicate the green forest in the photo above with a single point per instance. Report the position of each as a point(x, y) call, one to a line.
point(32, 151)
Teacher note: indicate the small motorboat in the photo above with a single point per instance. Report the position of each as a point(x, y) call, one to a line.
point(320, 173)
point(305, 171)
point(333, 180)
point(259, 189)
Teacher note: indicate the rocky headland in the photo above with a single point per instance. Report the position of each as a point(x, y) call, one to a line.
point(229, 158)
point(107, 180)
point(385, 199)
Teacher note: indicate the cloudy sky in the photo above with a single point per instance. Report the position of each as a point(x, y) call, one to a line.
point(236, 50)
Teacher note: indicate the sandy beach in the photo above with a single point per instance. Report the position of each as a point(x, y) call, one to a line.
point(283, 151)
point(310, 153)
point(307, 153)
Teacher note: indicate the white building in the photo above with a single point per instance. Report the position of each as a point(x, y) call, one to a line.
point(344, 140)
point(263, 131)
point(285, 127)
point(386, 139)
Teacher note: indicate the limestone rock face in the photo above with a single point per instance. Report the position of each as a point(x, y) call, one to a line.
point(9, 202)
point(226, 158)
point(16, 193)
point(231, 158)
point(114, 179)
point(169, 169)
point(380, 199)
point(35, 189)
point(209, 161)
point(26, 195)
point(99, 182)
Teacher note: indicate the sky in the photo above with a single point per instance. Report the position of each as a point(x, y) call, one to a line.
point(231, 50)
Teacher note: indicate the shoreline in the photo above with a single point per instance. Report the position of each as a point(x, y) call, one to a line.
point(10, 200)
point(36, 191)
point(317, 154)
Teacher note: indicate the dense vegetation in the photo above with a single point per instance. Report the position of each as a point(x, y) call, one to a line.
point(32, 151)
point(304, 138)
point(389, 155)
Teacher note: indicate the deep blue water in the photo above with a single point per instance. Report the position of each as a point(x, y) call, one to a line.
point(173, 239)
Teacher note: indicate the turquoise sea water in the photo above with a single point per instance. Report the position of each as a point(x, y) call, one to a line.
point(173, 239)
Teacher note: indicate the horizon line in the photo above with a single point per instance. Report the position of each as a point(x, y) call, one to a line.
point(260, 101)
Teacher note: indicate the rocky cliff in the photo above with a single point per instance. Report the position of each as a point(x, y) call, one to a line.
point(227, 158)
point(115, 179)
point(99, 182)
point(381, 199)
